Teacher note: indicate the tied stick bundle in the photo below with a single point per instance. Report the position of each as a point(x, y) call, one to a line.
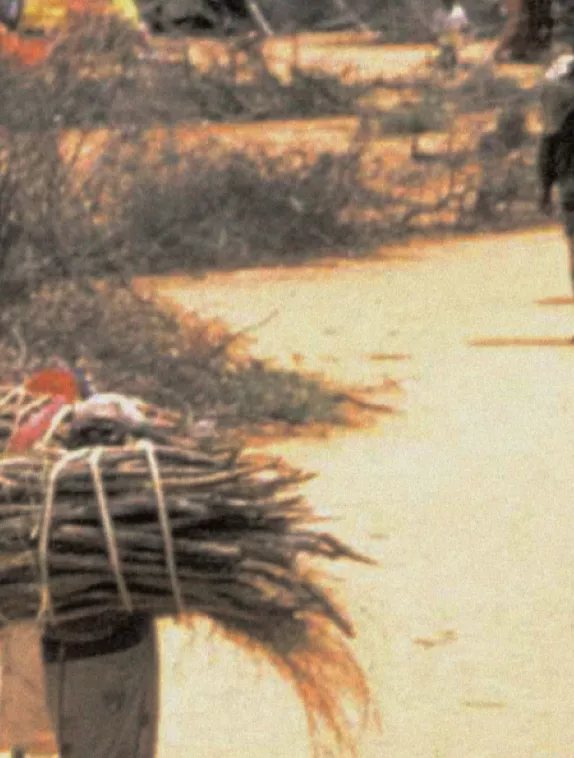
point(90, 534)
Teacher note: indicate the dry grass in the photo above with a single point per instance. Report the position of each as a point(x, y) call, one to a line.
point(174, 359)
point(212, 208)
point(101, 74)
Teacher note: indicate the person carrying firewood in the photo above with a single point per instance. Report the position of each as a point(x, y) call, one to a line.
point(556, 147)
point(102, 694)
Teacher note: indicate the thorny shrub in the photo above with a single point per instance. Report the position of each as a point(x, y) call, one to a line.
point(121, 214)
point(171, 358)
point(221, 209)
point(427, 115)
point(99, 73)
point(210, 208)
point(52, 225)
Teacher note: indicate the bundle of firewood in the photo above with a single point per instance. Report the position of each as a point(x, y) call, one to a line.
point(172, 527)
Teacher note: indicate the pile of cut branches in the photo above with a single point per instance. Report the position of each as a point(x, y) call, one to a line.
point(182, 528)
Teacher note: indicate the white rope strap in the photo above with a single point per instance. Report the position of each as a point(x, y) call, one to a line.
point(25, 411)
point(64, 411)
point(111, 543)
point(163, 516)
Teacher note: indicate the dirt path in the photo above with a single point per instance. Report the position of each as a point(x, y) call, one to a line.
point(467, 626)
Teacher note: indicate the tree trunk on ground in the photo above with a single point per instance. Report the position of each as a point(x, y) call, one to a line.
point(528, 30)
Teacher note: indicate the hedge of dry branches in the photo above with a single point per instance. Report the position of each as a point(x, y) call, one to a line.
point(100, 74)
point(215, 208)
point(173, 358)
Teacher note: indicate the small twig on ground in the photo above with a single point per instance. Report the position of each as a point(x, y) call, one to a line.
point(234, 336)
point(366, 404)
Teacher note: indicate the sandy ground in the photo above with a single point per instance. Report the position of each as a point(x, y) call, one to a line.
point(466, 626)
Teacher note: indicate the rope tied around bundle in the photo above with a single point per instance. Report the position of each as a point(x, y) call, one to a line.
point(149, 450)
point(93, 456)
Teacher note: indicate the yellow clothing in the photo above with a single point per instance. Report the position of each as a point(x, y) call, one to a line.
point(47, 15)
point(450, 38)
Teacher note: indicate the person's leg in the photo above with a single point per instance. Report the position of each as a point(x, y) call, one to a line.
point(570, 238)
point(567, 202)
point(106, 706)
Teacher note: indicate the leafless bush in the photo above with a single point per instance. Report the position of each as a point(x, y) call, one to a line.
point(108, 79)
point(245, 87)
point(506, 195)
point(426, 115)
point(87, 79)
point(215, 208)
point(172, 358)
point(51, 213)
point(466, 181)
point(122, 214)
point(211, 208)
point(483, 89)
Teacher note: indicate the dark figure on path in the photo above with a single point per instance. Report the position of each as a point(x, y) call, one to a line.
point(556, 150)
point(528, 30)
point(102, 695)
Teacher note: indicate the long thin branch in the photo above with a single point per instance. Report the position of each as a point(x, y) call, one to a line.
point(23, 349)
point(234, 336)
point(259, 18)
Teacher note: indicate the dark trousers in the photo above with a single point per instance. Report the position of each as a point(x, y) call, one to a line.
point(106, 706)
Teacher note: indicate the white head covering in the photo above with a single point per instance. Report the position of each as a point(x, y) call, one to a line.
point(557, 98)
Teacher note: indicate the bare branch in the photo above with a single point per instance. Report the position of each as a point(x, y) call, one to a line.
point(259, 18)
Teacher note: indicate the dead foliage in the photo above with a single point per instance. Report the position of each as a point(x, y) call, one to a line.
point(222, 209)
point(101, 73)
point(208, 208)
point(172, 358)
point(212, 208)
point(413, 117)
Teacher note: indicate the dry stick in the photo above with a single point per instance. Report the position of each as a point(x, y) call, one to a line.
point(260, 19)
point(23, 348)
point(233, 337)
point(93, 461)
point(165, 526)
point(22, 411)
point(54, 424)
point(14, 392)
point(46, 607)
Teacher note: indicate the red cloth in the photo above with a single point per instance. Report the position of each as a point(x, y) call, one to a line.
point(62, 386)
point(57, 382)
point(25, 436)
